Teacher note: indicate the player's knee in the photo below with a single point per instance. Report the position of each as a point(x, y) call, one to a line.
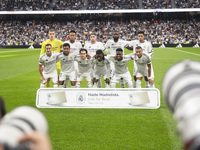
point(89, 84)
point(112, 85)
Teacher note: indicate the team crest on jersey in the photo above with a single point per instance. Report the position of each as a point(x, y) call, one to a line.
point(120, 43)
point(144, 46)
point(53, 56)
point(75, 45)
point(71, 57)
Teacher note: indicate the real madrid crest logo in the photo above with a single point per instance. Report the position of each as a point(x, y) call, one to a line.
point(53, 56)
point(80, 98)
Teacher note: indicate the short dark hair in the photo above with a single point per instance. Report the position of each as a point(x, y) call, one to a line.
point(119, 50)
point(52, 30)
point(138, 47)
point(99, 51)
point(141, 32)
point(48, 45)
point(2, 108)
point(82, 50)
point(72, 31)
point(66, 44)
point(93, 33)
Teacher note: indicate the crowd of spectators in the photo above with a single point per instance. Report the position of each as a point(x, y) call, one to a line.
point(32, 5)
point(154, 4)
point(112, 4)
point(168, 32)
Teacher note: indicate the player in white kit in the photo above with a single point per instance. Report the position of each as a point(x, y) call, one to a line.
point(143, 64)
point(84, 68)
point(75, 47)
point(146, 47)
point(92, 46)
point(111, 46)
point(101, 67)
point(121, 69)
point(48, 60)
point(67, 66)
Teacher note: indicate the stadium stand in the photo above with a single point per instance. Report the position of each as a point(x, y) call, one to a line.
point(33, 5)
point(18, 31)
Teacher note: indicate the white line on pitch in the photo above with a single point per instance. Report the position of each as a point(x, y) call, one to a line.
point(14, 51)
point(184, 51)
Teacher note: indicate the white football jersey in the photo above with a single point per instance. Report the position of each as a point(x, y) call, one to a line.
point(146, 46)
point(121, 66)
point(101, 66)
point(142, 61)
point(67, 62)
point(84, 66)
point(49, 62)
point(114, 45)
point(74, 47)
point(92, 48)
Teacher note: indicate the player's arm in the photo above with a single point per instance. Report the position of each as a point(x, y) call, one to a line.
point(149, 73)
point(150, 49)
point(129, 45)
point(40, 70)
point(108, 67)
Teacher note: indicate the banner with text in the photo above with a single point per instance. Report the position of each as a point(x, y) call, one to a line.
point(144, 98)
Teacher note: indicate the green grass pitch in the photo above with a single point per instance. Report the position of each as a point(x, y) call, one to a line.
point(86, 129)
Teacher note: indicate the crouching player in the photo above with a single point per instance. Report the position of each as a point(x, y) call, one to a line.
point(48, 60)
point(143, 62)
point(67, 66)
point(121, 69)
point(84, 68)
point(101, 67)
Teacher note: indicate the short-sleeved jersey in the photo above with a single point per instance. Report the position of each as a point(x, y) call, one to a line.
point(49, 62)
point(92, 48)
point(114, 45)
point(56, 45)
point(84, 66)
point(121, 66)
point(146, 46)
point(74, 47)
point(142, 61)
point(101, 66)
point(67, 62)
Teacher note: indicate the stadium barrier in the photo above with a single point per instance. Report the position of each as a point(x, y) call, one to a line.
point(39, 46)
point(145, 98)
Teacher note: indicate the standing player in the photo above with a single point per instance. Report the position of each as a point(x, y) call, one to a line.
point(56, 47)
point(92, 46)
point(143, 64)
point(84, 68)
point(102, 69)
point(146, 47)
point(67, 66)
point(114, 44)
point(48, 60)
point(121, 69)
point(75, 47)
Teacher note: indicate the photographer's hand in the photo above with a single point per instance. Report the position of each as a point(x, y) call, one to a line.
point(40, 141)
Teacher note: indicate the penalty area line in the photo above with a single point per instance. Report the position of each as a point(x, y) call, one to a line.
point(184, 51)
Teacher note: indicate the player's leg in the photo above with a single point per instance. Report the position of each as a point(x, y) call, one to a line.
point(54, 78)
point(88, 77)
point(47, 84)
point(152, 76)
point(128, 79)
point(134, 75)
point(95, 81)
point(106, 80)
point(146, 82)
point(72, 77)
point(79, 80)
point(139, 77)
point(62, 78)
point(43, 82)
point(122, 83)
point(114, 80)
point(66, 83)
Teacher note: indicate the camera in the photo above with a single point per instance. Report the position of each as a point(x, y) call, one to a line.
point(21, 120)
point(181, 88)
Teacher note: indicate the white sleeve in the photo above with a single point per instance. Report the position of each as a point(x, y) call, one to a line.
point(150, 49)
